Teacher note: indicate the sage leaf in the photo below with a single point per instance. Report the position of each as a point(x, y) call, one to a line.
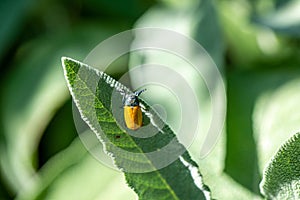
point(281, 178)
point(155, 164)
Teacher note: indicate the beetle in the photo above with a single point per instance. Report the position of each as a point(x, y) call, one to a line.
point(132, 111)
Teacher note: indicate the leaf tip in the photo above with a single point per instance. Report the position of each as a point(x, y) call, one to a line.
point(70, 64)
point(64, 59)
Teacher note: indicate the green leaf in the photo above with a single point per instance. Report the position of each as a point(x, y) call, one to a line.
point(152, 176)
point(281, 179)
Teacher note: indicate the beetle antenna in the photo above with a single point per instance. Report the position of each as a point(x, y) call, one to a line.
point(137, 93)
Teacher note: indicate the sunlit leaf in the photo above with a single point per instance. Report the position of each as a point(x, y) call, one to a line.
point(281, 178)
point(177, 180)
point(274, 123)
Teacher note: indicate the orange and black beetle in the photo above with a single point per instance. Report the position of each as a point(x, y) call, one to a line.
point(132, 110)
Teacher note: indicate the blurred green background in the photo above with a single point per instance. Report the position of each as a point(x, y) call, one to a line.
point(255, 44)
